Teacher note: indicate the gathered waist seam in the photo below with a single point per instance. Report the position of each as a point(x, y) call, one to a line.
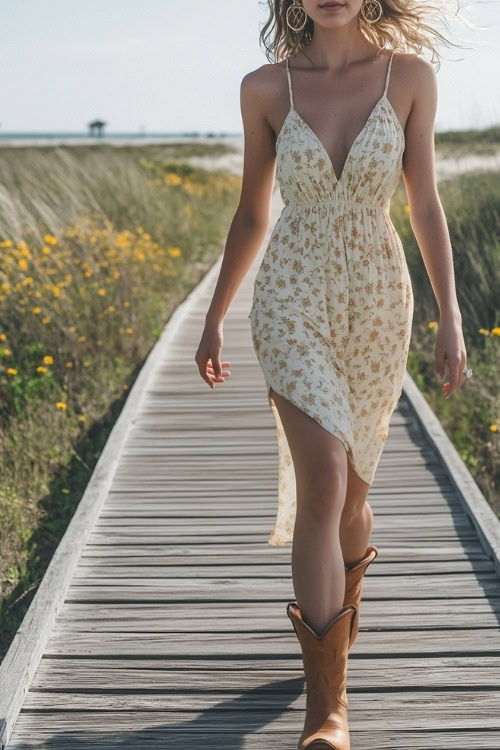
point(333, 201)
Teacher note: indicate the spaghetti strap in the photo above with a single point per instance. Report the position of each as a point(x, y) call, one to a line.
point(289, 83)
point(388, 74)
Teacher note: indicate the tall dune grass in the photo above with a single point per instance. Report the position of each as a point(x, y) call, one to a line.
point(471, 416)
point(98, 246)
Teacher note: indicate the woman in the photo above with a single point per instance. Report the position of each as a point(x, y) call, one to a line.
point(333, 302)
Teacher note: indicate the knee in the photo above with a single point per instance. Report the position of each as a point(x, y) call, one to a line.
point(322, 490)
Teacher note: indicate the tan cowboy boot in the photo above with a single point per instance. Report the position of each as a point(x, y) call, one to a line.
point(354, 583)
point(325, 668)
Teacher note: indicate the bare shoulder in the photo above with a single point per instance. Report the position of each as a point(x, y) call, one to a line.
point(412, 62)
point(414, 71)
point(259, 86)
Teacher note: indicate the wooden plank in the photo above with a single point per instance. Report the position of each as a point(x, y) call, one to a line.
point(248, 735)
point(412, 550)
point(453, 520)
point(477, 707)
point(378, 539)
point(96, 676)
point(421, 711)
point(272, 569)
point(154, 645)
point(382, 615)
point(234, 589)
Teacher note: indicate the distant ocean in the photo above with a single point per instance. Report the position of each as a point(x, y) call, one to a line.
point(41, 138)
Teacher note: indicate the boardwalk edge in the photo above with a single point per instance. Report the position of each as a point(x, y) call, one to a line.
point(482, 516)
point(21, 660)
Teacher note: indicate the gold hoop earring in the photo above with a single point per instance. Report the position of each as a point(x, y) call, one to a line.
point(369, 10)
point(297, 15)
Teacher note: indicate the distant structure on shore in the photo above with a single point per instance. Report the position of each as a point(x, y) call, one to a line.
point(96, 127)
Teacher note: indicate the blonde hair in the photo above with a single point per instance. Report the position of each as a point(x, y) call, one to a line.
point(406, 25)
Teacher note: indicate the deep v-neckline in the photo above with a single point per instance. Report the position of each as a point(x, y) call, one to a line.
point(361, 133)
point(353, 144)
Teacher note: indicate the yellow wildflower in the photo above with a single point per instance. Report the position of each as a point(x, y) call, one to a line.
point(22, 264)
point(406, 208)
point(484, 331)
point(46, 250)
point(61, 405)
point(82, 418)
point(36, 310)
point(6, 243)
point(129, 330)
point(45, 320)
point(7, 352)
point(41, 369)
point(3, 337)
point(432, 324)
point(173, 179)
point(496, 331)
point(101, 292)
point(81, 339)
point(48, 360)
point(12, 371)
point(50, 239)
point(494, 427)
point(190, 188)
point(56, 291)
point(174, 252)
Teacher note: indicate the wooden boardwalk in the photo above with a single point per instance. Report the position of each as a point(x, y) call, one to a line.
point(161, 622)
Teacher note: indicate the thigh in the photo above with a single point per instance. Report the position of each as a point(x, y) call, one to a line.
point(319, 457)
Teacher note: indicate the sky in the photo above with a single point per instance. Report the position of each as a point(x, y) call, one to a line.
point(176, 65)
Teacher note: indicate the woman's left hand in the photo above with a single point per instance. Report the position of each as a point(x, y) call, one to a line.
point(450, 346)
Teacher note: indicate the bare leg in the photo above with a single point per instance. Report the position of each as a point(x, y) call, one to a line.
point(356, 521)
point(320, 464)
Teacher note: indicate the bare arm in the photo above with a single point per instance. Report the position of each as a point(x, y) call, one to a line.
point(249, 223)
point(428, 222)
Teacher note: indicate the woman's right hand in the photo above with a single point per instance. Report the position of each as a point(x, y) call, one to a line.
point(207, 356)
